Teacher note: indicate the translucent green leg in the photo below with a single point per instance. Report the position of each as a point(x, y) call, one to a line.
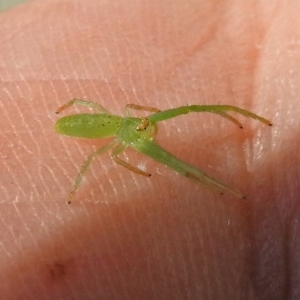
point(140, 107)
point(84, 103)
point(216, 109)
point(86, 166)
point(121, 162)
point(155, 151)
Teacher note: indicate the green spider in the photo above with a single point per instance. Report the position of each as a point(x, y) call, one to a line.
point(139, 133)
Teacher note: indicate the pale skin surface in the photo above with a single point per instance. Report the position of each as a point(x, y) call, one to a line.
point(128, 237)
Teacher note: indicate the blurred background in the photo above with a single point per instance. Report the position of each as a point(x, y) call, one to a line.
point(6, 4)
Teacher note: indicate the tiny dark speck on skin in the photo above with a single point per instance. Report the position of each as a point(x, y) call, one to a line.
point(57, 271)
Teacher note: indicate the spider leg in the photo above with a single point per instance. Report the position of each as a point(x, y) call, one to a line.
point(90, 104)
point(216, 109)
point(121, 162)
point(86, 166)
point(140, 107)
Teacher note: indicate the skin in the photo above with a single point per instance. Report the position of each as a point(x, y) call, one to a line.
point(128, 237)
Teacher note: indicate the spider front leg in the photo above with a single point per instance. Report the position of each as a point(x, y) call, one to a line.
point(90, 104)
point(215, 109)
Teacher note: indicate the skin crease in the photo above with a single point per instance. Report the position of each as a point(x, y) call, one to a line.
point(126, 236)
